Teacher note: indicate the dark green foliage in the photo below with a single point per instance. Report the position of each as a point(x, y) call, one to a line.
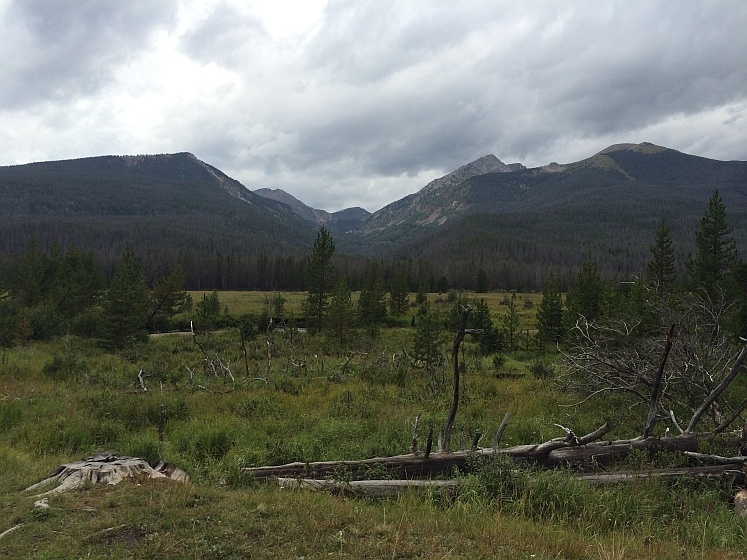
point(126, 304)
point(586, 296)
point(491, 339)
point(661, 269)
point(399, 293)
point(208, 312)
point(428, 339)
point(421, 298)
point(372, 300)
point(167, 298)
point(710, 271)
point(442, 286)
point(550, 325)
point(341, 315)
point(510, 324)
point(320, 279)
point(482, 281)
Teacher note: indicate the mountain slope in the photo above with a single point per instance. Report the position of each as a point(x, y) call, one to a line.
point(539, 219)
point(429, 206)
point(337, 222)
point(163, 205)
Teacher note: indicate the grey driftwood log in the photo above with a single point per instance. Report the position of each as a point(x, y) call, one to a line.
point(106, 467)
point(574, 451)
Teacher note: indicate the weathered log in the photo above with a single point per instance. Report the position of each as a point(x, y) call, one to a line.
point(378, 488)
point(620, 477)
point(418, 465)
point(387, 488)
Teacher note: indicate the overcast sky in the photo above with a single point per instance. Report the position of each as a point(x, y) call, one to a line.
point(358, 103)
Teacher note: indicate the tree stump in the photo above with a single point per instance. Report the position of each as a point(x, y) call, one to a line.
point(106, 467)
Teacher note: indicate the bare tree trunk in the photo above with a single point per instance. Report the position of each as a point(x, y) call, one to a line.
point(654, 402)
point(464, 313)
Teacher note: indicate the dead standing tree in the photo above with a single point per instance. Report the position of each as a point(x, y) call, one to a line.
point(690, 377)
point(463, 330)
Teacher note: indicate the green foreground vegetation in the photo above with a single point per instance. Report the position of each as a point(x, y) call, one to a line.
point(313, 405)
point(87, 364)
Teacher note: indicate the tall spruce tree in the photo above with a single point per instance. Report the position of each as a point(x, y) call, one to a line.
point(126, 303)
point(510, 324)
point(711, 270)
point(319, 278)
point(661, 271)
point(341, 315)
point(372, 299)
point(399, 293)
point(586, 296)
point(550, 326)
point(491, 339)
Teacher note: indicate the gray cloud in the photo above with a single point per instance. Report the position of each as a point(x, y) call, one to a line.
point(379, 97)
point(59, 51)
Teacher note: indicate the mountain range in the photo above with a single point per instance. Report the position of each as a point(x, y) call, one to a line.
point(514, 222)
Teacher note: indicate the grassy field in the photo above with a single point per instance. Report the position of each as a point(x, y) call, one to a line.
point(311, 406)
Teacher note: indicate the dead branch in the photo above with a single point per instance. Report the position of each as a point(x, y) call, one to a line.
point(140, 379)
point(718, 390)
point(9, 531)
point(648, 430)
point(414, 446)
point(501, 428)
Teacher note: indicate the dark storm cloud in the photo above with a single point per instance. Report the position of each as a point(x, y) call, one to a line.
point(61, 50)
point(374, 98)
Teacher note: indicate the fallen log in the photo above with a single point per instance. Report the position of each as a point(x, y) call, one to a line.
point(579, 452)
point(391, 488)
point(377, 488)
point(620, 477)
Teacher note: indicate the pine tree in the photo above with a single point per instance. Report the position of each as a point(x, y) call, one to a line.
point(428, 339)
point(711, 270)
point(126, 303)
point(586, 296)
point(341, 315)
point(372, 299)
point(510, 323)
point(399, 293)
point(167, 297)
point(661, 271)
point(550, 327)
point(491, 340)
point(319, 277)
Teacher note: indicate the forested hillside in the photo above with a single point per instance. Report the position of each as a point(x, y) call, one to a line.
point(519, 226)
point(167, 207)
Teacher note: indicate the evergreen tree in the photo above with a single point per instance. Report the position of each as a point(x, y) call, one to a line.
point(372, 299)
point(320, 278)
point(550, 327)
point(208, 311)
point(167, 297)
point(482, 281)
point(341, 315)
point(661, 271)
point(586, 296)
point(399, 293)
point(421, 298)
point(510, 323)
point(711, 270)
point(491, 340)
point(428, 338)
point(126, 303)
